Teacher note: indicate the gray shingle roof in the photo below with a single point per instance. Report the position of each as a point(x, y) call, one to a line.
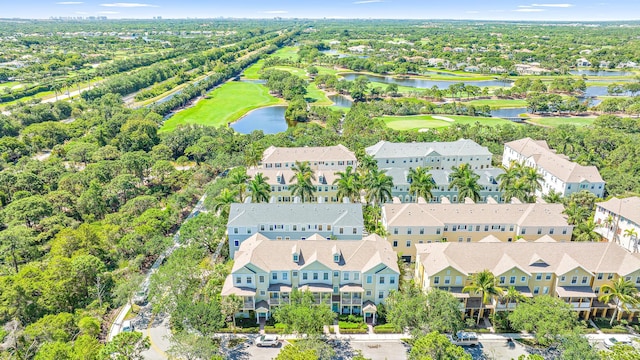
point(462, 147)
point(441, 177)
point(252, 214)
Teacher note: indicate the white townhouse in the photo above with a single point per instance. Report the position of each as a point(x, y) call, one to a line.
point(619, 221)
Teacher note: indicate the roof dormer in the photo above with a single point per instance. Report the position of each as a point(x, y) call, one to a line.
point(295, 253)
point(336, 254)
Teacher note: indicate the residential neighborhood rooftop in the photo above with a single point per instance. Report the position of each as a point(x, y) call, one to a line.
point(312, 154)
point(530, 257)
point(557, 164)
point(435, 214)
point(462, 147)
point(628, 208)
point(336, 214)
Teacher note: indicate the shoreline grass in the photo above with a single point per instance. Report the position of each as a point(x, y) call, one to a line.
point(416, 122)
point(224, 105)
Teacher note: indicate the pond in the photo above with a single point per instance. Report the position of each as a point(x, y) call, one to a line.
point(254, 81)
point(508, 113)
point(268, 119)
point(600, 91)
point(341, 101)
point(601, 73)
point(423, 84)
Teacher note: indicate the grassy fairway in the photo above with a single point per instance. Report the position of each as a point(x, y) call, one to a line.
point(225, 104)
point(428, 122)
point(287, 52)
point(555, 121)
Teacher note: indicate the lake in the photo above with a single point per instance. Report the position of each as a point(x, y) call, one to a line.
point(600, 91)
point(268, 119)
point(423, 84)
point(601, 73)
point(508, 113)
point(340, 101)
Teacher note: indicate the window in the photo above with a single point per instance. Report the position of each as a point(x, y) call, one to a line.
point(294, 274)
point(564, 231)
point(574, 279)
point(274, 276)
point(355, 231)
point(381, 279)
point(609, 276)
point(395, 231)
point(512, 280)
point(295, 257)
point(600, 275)
point(248, 280)
point(369, 279)
point(638, 280)
point(345, 276)
point(408, 243)
point(584, 279)
point(436, 280)
point(447, 280)
point(597, 290)
point(325, 276)
point(261, 279)
point(536, 290)
point(395, 243)
point(336, 258)
point(341, 231)
point(368, 292)
point(523, 279)
point(538, 277)
point(545, 290)
point(551, 231)
point(422, 231)
point(409, 231)
point(320, 227)
point(562, 278)
point(381, 295)
point(315, 276)
point(238, 280)
point(329, 227)
point(305, 276)
point(460, 239)
point(356, 276)
point(392, 279)
point(336, 274)
point(236, 243)
point(548, 277)
point(502, 279)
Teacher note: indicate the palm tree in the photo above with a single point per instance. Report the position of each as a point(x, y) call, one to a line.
point(553, 197)
point(533, 182)
point(379, 186)
point(576, 213)
point(222, 202)
point(467, 183)
point(586, 231)
point(485, 284)
point(518, 191)
point(259, 188)
point(56, 87)
point(367, 164)
point(632, 234)
point(421, 183)
point(349, 185)
point(509, 178)
point(238, 179)
point(622, 292)
point(252, 155)
point(303, 176)
point(512, 295)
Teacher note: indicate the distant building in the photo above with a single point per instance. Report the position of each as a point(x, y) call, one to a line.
point(559, 174)
point(352, 276)
point(619, 221)
point(582, 62)
point(294, 221)
point(572, 271)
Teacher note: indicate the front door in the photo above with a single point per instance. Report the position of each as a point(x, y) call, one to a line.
point(335, 307)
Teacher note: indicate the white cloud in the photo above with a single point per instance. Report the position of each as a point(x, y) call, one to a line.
point(108, 12)
point(276, 12)
point(528, 10)
point(367, 2)
point(553, 5)
point(128, 5)
point(69, 3)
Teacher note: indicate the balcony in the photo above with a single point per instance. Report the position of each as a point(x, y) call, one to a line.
point(249, 303)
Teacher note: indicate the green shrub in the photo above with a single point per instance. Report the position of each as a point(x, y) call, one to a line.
point(353, 331)
point(274, 329)
point(3, 334)
point(238, 330)
point(350, 325)
point(386, 329)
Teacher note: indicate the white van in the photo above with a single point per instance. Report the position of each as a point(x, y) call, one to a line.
point(465, 338)
point(127, 326)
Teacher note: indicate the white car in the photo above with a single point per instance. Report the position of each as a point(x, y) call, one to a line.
point(267, 340)
point(464, 338)
point(610, 342)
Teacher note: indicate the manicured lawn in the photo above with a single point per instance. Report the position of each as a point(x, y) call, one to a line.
point(316, 96)
point(499, 103)
point(224, 105)
point(555, 121)
point(294, 70)
point(288, 52)
point(428, 122)
point(253, 71)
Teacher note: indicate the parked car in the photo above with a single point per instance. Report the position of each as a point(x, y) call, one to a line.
point(140, 297)
point(127, 326)
point(610, 342)
point(464, 338)
point(267, 340)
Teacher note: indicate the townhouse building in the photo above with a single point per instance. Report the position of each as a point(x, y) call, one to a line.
point(297, 221)
point(435, 155)
point(572, 271)
point(320, 158)
point(439, 157)
point(280, 179)
point(352, 276)
point(559, 173)
point(417, 223)
point(619, 221)
point(441, 180)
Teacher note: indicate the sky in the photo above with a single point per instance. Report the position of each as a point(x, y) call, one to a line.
point(563, 10)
